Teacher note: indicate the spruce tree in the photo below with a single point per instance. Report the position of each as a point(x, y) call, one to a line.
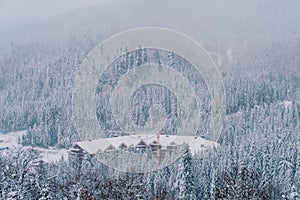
point(186, 176)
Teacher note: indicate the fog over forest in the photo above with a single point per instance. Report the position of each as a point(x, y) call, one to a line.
point(233, 29)
point(255, 45)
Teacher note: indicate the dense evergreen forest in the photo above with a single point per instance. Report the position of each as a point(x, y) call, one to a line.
point(255, 45)
point(259, 155)
point(37, 85)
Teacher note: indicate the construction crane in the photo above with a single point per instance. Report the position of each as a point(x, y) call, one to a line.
point(158, 147)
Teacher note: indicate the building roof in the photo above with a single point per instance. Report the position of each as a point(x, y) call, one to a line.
point(196, 144)
point(93, 146)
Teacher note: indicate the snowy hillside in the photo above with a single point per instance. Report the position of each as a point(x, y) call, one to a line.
point(12, 140)
point(43, 49)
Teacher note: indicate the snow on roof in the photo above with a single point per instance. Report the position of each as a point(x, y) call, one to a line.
point(127, 140)
point(93, 146)
point(184, 139)
point(196, 144)
point(200, 144)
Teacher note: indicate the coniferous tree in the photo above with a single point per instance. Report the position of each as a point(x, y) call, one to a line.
point(186, 175)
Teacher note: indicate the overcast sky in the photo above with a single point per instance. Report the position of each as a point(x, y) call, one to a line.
point(16, 11)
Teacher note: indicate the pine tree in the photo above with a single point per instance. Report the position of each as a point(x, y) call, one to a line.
point(186, 176)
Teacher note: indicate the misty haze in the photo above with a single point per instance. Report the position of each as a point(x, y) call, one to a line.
point(215, 116)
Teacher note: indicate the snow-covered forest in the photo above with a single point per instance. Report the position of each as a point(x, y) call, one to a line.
point(257, 52)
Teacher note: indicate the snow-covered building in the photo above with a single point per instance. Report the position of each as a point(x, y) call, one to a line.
point(138, 143)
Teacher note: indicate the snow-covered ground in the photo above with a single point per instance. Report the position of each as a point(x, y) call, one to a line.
point(53, 155)
point(287, 104)
point(11, 140)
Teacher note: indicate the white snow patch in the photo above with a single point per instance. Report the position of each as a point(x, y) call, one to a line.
point(11, 139)
point(287, 104)
point(52, 155)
